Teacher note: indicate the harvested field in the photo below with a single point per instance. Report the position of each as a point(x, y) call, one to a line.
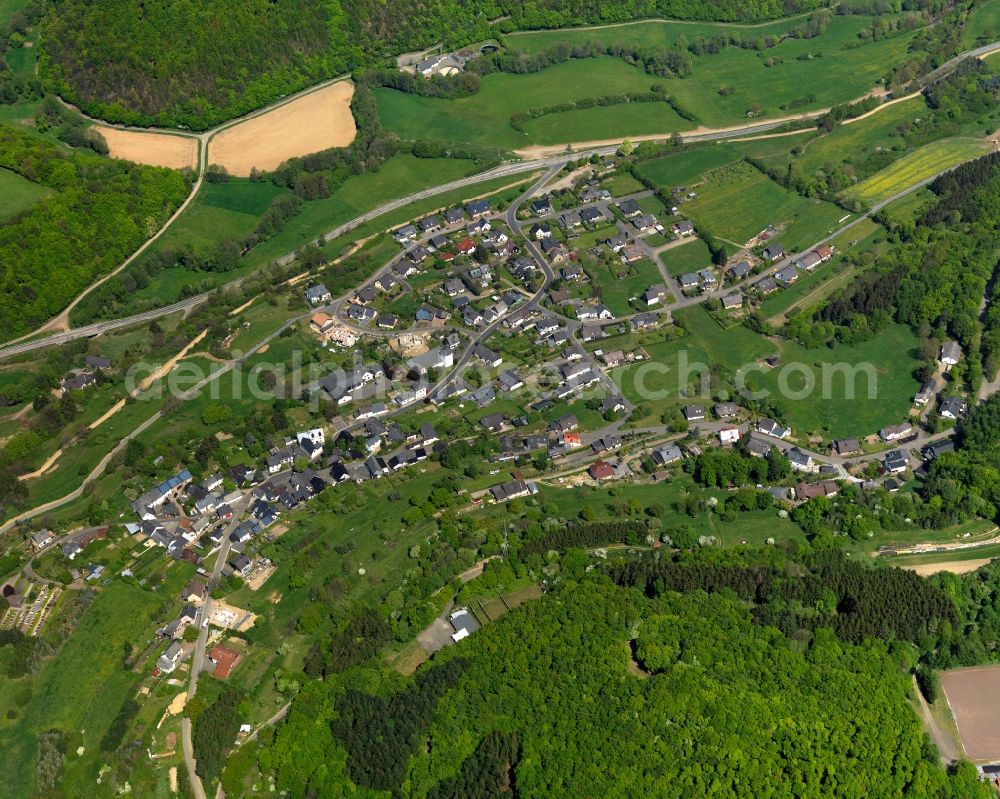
point(953, 566)
point(972, 695)
point(316, 121)
point(155, 149)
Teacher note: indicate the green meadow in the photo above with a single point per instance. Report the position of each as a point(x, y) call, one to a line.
point(737, 202)
point(19, 193)
point(657, 385)
point(688, 257)
point(685, 168)
point(834, 67)
point(484, 118)
point(80, 690)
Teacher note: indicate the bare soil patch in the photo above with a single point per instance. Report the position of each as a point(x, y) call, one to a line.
point(147, 147)
point(316, 121)
point(972, 695)
point(953, 566)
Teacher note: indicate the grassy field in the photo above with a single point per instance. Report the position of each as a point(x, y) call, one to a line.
point(82, 688)
point(484, 118)
point(616, 292)
point(838, 70)
point(916, 166)
point(858, 139)
point(605, 122)
point(685, 168)
point(983, 25)
point(18, 193)
point(689, 257)
point(893, 356)
point(231, 210)
point(737, 202)
point(660, 387)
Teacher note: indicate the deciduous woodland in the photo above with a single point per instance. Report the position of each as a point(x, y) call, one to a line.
point(195, 63)
point(100, 210)
point(545, 703)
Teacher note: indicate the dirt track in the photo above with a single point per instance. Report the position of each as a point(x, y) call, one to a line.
point(953, 566)
point(310, 123)
point(147, 147)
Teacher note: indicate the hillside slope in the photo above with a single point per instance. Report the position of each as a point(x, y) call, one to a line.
point(195, 63)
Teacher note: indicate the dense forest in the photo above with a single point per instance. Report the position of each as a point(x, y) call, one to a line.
point(99, 212)
point(690, 692)
point(195, 63)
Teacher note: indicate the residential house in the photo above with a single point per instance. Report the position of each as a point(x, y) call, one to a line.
point(952, 407)
point(564, 423)
point(729, 435)
point(318, 294)
point(510, 381)
point(510, 490)
point(895, 432)
point(801, 461)
point(541, 231)
point(430, 224)
point(630, 208)
point(654, 294)
point(725, 410)
point(689, 280)
point(492, 423)
point(769, 427)
point(487, 356)
point(42, 539)
point(613, 358)
point(97, 362)
point(683, 228)
point(591, 215)
point(824, 488)
point(478, 208)
point(766, 285)
point(950, 354)
point(617, 242)
point(895, 462)
point(809, 261)
point(454, 216)
point(405, 234)
point(774, 251)
point(321, 322)
point(601, 470)
point(740, 270)
point(846, 447)
point(645, 223)
point(667, 454)
point(926, 393)
point(79, 381)
point(541, 206)
point(788, 275)
point(694, 413)
point(732, 301)
point(484, 395)
point(170, 659)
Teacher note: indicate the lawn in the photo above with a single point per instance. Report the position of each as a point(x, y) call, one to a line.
point(616, 292)
point(837, 71)
point(685, 168)
point(484, 118)
point(82, 688)
point(19, 193)
point(688, 257)
point(737, 202)
point(917, 166)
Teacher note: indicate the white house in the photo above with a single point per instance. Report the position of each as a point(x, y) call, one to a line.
point(729, 435)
